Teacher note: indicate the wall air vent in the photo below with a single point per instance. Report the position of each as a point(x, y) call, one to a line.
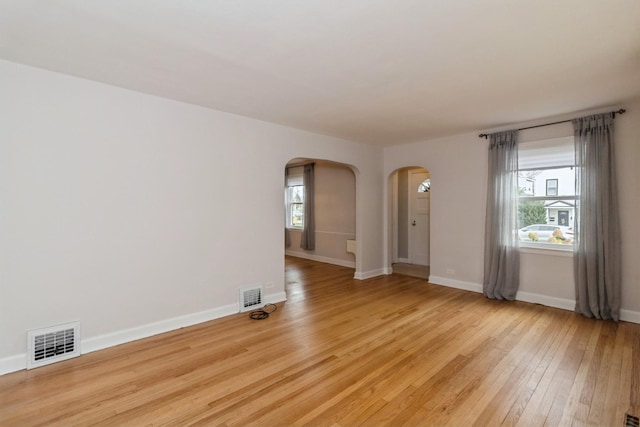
point(251, 298)
point(631, 421)
point(53, 344)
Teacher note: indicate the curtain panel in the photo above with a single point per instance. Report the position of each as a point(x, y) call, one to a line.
point(597, 267)
point(308, 238)
point(287, 235)
point(501, 255)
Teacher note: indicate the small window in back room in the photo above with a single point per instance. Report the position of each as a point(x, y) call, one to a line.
point(294, 196)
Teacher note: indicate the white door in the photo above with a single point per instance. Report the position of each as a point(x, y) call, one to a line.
point(418, 218)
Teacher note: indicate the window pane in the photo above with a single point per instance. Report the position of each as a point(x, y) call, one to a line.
point(552, 187)
point(295, 210)
point(296, 194)
point(425, 186)
point(536, 182)
point(297, 214)
point(546, 206)
point(559, 235)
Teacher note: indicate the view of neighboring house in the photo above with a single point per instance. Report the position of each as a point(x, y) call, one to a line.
point(548, 187)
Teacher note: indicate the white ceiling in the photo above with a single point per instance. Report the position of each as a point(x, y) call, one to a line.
point(376, 71)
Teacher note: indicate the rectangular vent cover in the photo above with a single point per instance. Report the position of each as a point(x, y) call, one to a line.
point(631, 421)
point(250, 298)
point(53, 344)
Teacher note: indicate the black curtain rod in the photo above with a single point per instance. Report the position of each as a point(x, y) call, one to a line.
point(620, 111)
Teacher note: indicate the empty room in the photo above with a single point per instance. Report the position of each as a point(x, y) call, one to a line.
point(338, 213)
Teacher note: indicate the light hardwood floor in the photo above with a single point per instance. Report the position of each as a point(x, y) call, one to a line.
point(392, 350)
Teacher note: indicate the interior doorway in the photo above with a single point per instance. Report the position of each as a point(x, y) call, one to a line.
point(411, 212)
point(333, 198)
point(420, 186)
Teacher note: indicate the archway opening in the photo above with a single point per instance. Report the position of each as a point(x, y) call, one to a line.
point(334, 200)
point(410, 199)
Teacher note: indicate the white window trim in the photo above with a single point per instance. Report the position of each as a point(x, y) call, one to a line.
point(552, 249)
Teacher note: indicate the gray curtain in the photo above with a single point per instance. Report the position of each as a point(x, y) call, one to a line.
point(287, 235)
point(597, 269)
point(501, 255)
point(308, 238)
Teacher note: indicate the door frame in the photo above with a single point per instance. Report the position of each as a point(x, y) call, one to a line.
point(410, 211)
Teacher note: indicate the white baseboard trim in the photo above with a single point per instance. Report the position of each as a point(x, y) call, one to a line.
point(520, 296)
point(327, 260)
point(369, 274)
point(120, 337)
point(458, 284)
point(564, 304)
point(19, 362)
point(630, 316)
point(13, 363)
point(275, 298)
point(404, 260)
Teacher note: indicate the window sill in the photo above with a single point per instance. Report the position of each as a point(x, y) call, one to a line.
point(550, 249)
point(295, 228)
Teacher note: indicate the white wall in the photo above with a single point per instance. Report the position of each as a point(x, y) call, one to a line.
point(135, 214)
point(458, 167)
point(335, 206)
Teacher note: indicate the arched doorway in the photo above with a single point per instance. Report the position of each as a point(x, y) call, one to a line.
point(335, 211)
point(410, 221)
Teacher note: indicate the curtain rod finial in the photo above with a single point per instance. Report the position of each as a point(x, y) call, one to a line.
point(483, 135)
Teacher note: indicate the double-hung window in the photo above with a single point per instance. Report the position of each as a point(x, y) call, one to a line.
point(547, 197)
point(294, 197)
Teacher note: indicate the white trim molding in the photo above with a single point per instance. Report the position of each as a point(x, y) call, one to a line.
point(458, 284)
point(275, 298)
point(13, 363)
point(327, 260)
point(630, 316)
point(564, 304)
point(369, 274)
point(127, 335)
point(19, 362)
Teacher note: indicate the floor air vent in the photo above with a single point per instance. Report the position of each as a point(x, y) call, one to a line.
point(631, 421)
point(250, 298)
point(53, 344)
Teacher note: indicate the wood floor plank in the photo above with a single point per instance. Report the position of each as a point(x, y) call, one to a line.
point(391, 350)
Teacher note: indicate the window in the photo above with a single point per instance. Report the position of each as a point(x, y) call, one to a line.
point(546, 203)
point(294, 198)
point(425, 187)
